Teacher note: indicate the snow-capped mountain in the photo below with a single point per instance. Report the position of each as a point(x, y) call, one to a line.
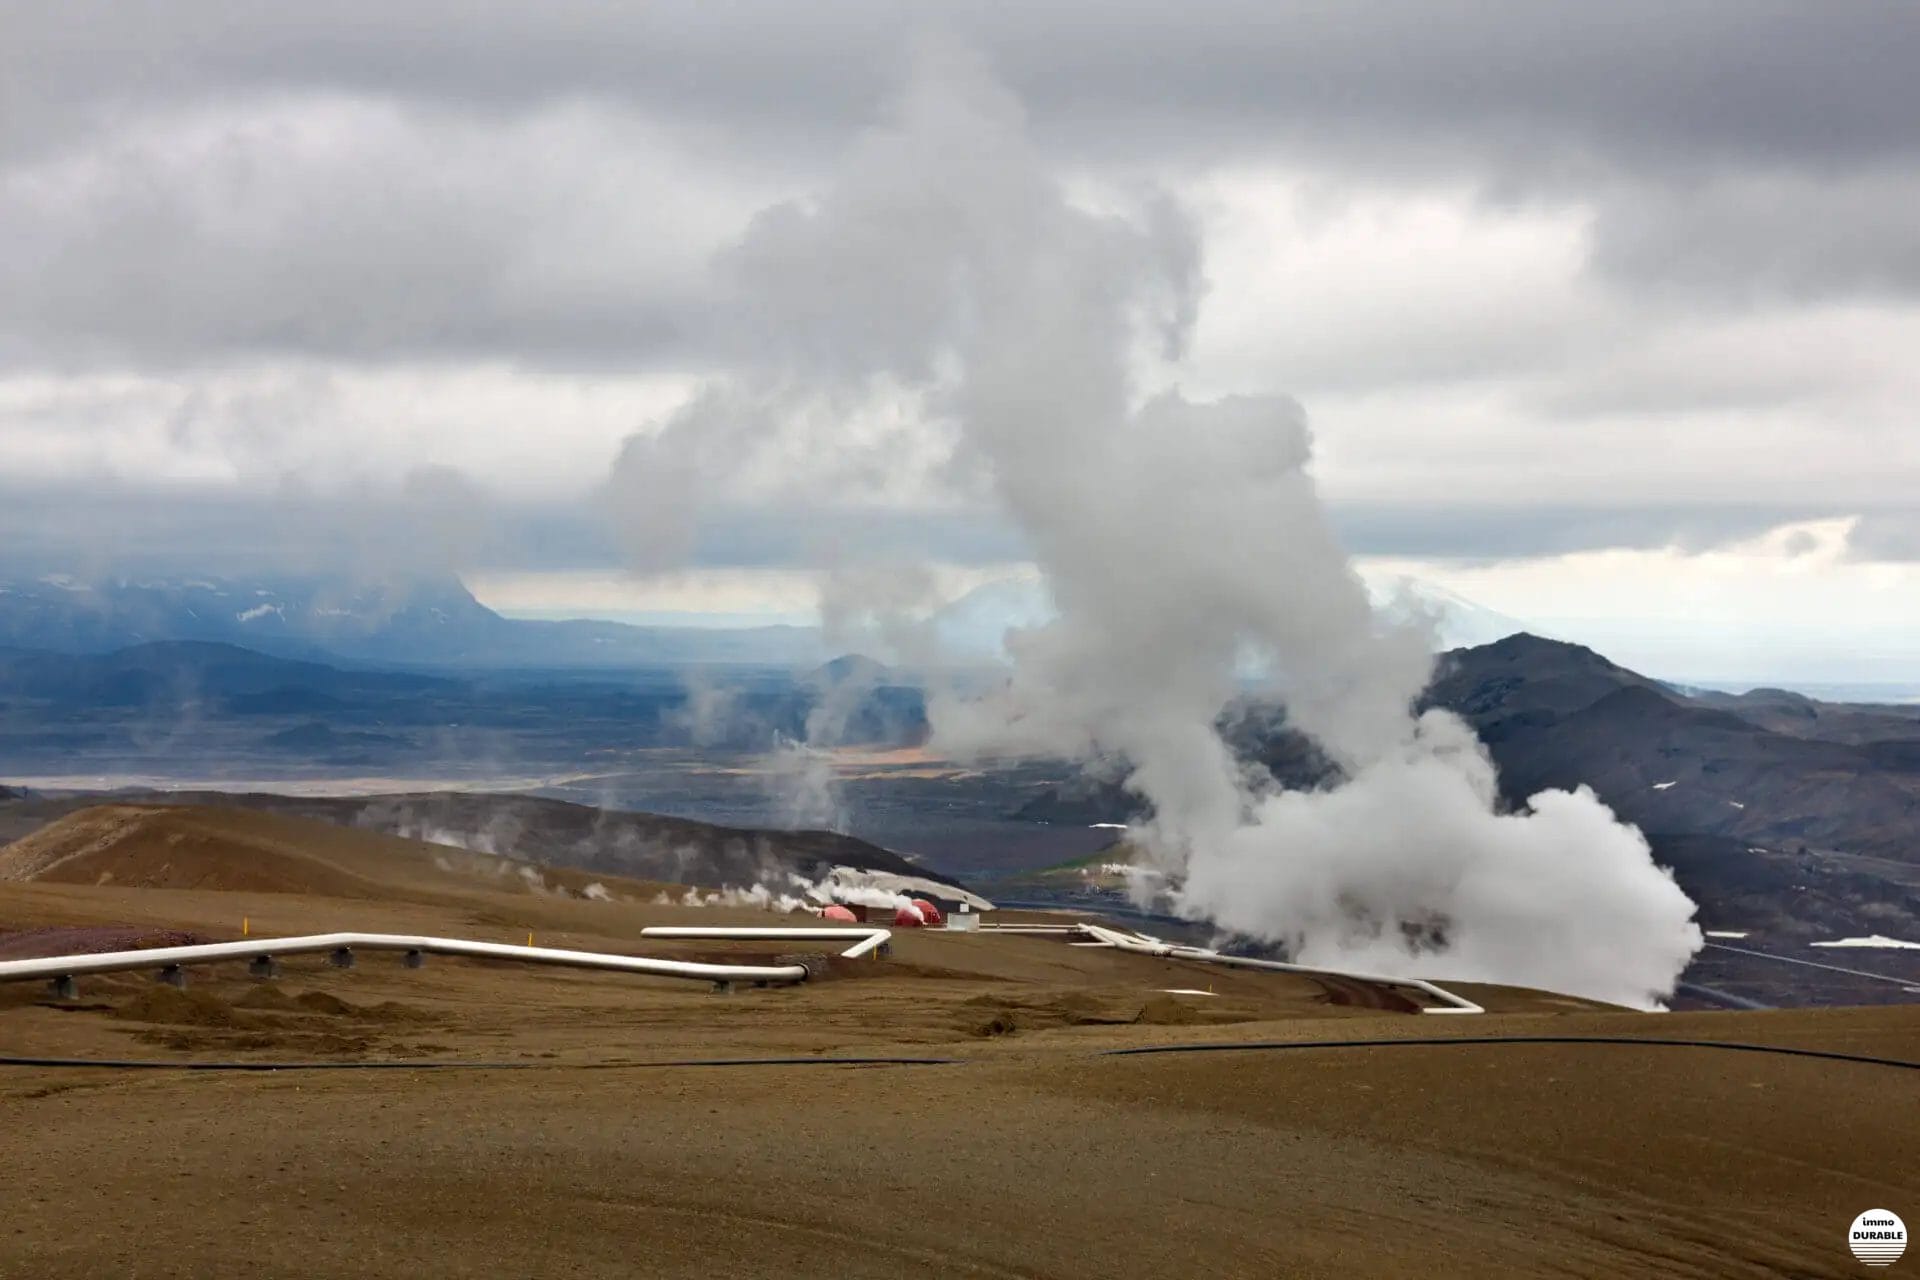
point(431, 621)
point(61, 612)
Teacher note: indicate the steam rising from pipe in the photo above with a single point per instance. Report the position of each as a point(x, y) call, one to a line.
point(1183, 543)
point(851, 886)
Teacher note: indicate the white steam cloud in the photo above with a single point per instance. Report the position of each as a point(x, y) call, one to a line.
point(756, 897)
point(853, 886)
point(947, 272)
point(803, 783)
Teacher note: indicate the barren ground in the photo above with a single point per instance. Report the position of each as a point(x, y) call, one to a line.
point(1033, 1156)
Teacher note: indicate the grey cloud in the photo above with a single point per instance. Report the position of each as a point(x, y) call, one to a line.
point(1886, 535)
point(1661, 389)
point(351, 230)
point(1738, 147)
point(540, 183)
point(1755, 235)
point(1515, 531)
point(795, 536)
point(434, 520)
point(1754, 78)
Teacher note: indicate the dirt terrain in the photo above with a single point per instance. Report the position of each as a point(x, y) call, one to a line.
point(164, 846)
point(1023, 1149)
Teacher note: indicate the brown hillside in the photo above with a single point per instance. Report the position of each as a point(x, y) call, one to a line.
point(166, 847)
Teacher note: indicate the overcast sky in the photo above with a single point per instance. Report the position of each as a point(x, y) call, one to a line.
point(1604, 316)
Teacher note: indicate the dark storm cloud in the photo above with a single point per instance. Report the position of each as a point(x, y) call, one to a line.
point(1737, 146)
point(350, 230)
point(436, 522)
point(432, 521)
point(1802, 235)
point(189, 187)
point(1768, 80)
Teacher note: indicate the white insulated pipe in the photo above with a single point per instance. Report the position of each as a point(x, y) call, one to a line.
point(169, 957)
point(1029, 928)
point(864, 940)
point(1450, 1003)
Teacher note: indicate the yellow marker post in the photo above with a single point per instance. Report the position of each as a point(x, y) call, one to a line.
point(246, 927)
point(529, 937)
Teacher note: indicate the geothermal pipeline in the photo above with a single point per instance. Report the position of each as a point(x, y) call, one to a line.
point(61, 970)
point(1100, 936)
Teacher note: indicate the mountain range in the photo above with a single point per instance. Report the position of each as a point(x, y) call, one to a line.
point(1768, 804)
point(202, 707)
point(1765, 767)
point(423, 622)
point(1777, 813)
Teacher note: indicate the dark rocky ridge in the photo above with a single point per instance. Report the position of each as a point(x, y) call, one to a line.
point(1558, 715)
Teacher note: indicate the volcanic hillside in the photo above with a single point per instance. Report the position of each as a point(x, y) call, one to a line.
point(553, 833)
point(192, 847)
point(1765, 768)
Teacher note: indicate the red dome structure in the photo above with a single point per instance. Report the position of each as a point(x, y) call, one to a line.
point(929, 914)
point(907, 918)
point(839, 914)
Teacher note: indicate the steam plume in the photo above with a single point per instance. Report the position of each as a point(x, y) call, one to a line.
point(848, 885)
point(801, 778)
point(1183, 543)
